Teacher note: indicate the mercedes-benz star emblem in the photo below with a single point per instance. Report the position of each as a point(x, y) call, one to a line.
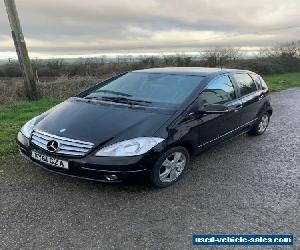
point(52, 146)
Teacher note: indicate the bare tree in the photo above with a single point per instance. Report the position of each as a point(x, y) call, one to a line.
point(289, 49)
point(217, 57)
point(286, 50)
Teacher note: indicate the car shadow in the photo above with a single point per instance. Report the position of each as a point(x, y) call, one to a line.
point(202, 161)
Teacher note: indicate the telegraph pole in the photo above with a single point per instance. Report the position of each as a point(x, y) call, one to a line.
point(21, 49)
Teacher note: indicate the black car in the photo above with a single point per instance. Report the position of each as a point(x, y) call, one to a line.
point(146, 122)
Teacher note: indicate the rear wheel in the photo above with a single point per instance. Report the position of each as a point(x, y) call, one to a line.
point(260, 127)
point(170, 167)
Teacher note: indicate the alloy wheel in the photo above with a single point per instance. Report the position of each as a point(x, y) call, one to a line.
point(172, 167)
point(263, 124)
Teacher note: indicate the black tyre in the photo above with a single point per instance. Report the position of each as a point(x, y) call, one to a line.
point(170, 167)
point(261, 125)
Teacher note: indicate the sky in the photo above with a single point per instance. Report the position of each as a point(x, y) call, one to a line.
point(74, 28)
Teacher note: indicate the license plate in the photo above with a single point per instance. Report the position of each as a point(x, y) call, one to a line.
point(50, 160)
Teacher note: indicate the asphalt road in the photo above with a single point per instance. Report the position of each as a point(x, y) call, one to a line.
point(248, 185)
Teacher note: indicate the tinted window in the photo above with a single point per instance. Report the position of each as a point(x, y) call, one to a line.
point(150, 87)
point(256, 79)
point(263, 84)
point(219, 91)
point(245, 83)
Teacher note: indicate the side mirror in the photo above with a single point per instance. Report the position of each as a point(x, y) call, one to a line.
point(214, 109)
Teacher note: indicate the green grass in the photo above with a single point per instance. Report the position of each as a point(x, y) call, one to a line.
point(13, 116)
point(280, 82)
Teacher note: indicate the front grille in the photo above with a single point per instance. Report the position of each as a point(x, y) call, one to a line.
point(66, 146)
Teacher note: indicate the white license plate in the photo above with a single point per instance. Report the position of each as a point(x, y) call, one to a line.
point(50, 160)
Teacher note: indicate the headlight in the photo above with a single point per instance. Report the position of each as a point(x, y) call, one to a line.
point(28, 127)
point(136, 146)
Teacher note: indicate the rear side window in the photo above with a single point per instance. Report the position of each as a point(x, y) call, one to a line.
point(218, 91)
point(256, 79)
point(245, 83)
point(260, 83)
point(263, 84)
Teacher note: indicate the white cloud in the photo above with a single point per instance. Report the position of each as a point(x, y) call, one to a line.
point(92, 26)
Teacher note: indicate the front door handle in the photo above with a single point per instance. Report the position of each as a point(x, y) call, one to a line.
point(236, 107)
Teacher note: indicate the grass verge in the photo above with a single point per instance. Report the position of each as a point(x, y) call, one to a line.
point(280, 82)
point(13, 116)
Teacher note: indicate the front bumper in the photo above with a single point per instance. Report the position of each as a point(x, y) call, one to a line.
point(90, 167)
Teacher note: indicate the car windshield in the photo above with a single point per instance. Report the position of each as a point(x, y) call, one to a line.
point(148, 89)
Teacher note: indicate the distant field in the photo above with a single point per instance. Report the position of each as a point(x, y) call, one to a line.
point(11, 89)
point(14, 115)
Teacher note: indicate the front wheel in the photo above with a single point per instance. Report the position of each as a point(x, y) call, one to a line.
point(169, 167)
point(260, 127)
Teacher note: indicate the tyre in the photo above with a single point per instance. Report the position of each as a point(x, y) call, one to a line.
point(261, 125)
point(169, 167)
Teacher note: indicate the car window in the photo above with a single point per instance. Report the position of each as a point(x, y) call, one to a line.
point(257, 81)
point(220, 90)
point(263, 83)
point(154, 88)
point(245, 83)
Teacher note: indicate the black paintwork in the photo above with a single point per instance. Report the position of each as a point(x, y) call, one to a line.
point(107, 123)
point(99, 122)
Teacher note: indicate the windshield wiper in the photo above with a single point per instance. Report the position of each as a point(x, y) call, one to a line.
point(124, 100)
point(112, 92)
point(92, 98)
point(118, 100)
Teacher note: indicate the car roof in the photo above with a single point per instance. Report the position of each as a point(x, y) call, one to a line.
point(201, 71)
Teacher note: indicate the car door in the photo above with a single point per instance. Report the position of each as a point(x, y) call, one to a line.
point(214, 128)
point(250, 96)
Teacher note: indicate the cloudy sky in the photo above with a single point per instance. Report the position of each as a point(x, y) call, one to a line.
point(93, 27)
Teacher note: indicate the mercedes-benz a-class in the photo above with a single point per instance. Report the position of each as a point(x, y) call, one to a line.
point(146, 122)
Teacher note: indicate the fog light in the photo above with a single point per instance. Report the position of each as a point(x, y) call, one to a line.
point(111, 177)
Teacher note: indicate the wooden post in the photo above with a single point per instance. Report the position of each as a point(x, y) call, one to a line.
point(21, 49)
